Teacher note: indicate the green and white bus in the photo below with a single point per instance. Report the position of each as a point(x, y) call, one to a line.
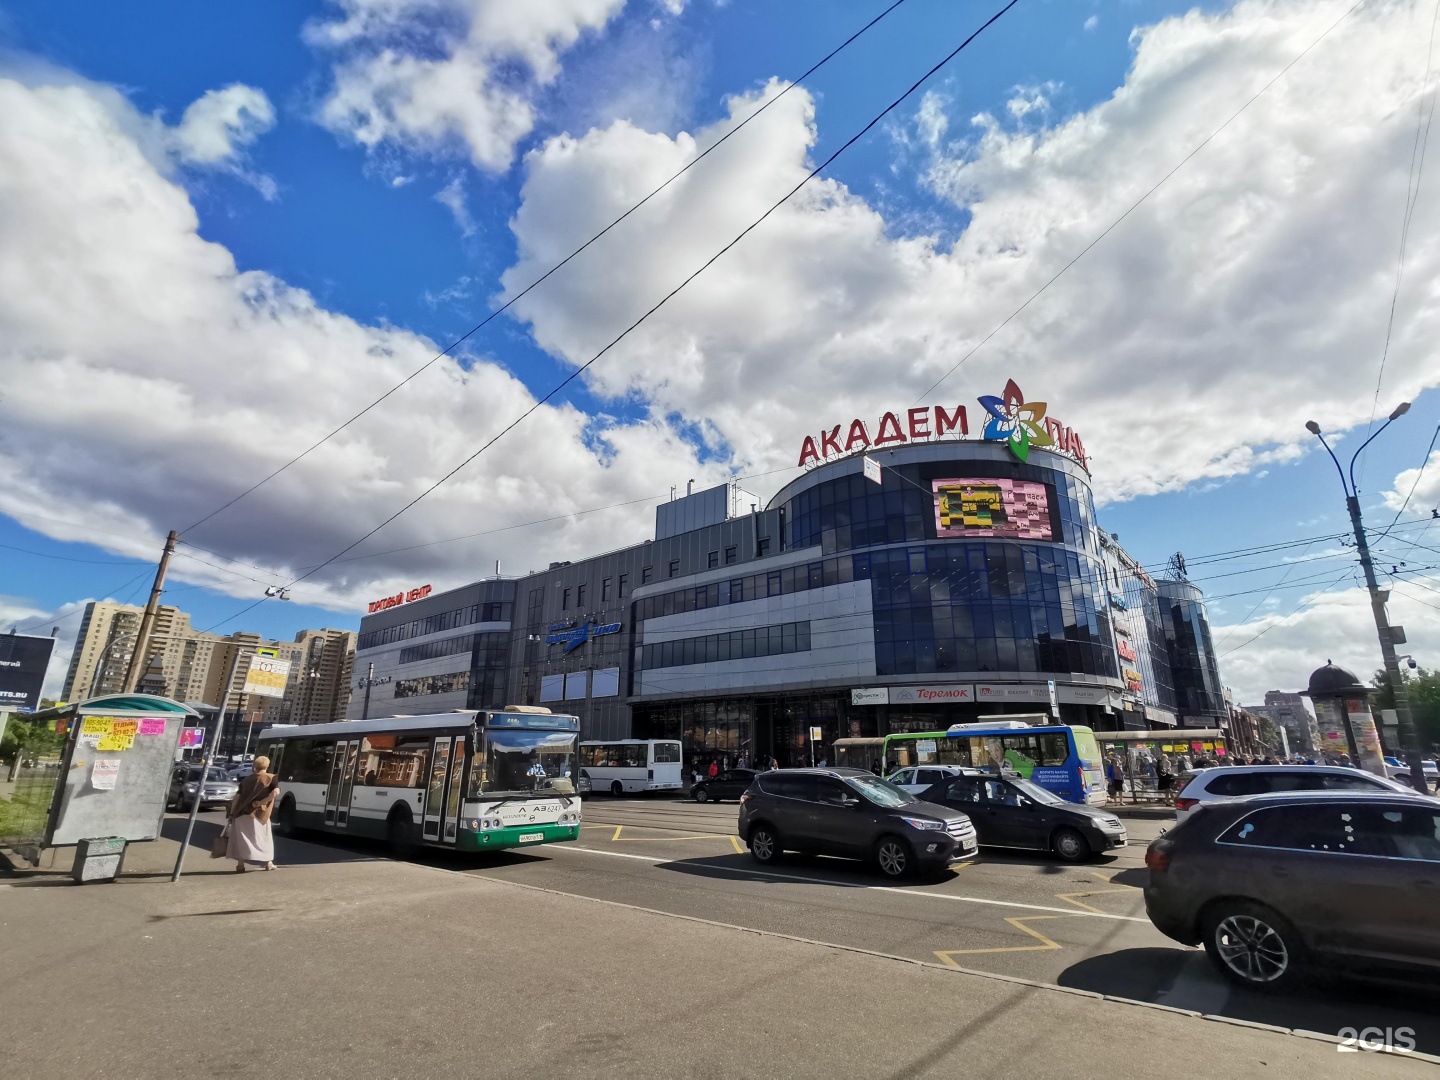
point(469, 781)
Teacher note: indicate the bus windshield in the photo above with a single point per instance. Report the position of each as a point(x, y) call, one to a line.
point(1086, 747)
point(521, 762)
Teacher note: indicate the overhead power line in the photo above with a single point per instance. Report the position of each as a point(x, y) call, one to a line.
point(543, 277)
point(1136, 204)
point(666, 298)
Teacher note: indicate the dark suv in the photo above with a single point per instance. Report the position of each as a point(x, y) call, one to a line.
point(1271, 883)
point(851, 813)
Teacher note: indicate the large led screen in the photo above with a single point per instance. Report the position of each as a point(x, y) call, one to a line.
point(1008, 509)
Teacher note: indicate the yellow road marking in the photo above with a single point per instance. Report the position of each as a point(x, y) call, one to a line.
point(1069, 898)
point(702, 836)
point(1112, 881)
point(739, 848)
point(1046, 944)
point(617, 833)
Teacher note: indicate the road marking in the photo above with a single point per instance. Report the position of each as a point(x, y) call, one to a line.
point(1069, 898)
point(617, 833)
point(1046, 945)
point(701, 836)
point(656, 861)
point(739, 847)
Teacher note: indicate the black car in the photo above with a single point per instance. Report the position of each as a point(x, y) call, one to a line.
point(1015, 813)
point(730, 784)
point(1272, 884)
point(851, 813)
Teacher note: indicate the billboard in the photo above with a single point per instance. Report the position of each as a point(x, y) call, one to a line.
point(23, 661)
point(267, 675)
point(992, 507)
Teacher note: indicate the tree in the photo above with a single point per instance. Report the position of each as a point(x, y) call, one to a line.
point(1424, 693)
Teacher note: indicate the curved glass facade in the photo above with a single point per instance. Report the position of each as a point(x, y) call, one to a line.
point(942, 605)
point(1193, 666)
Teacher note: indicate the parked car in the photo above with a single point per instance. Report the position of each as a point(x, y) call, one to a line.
point(217, 790)
point(583, 786)
point(1232, 781)
point(730, 784)
point(1399, 771)
point(1273, 884)
point(853, 814)
point(918, 778)
point(1012, 812)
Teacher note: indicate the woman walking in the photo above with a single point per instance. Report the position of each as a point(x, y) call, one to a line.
point(251, 840)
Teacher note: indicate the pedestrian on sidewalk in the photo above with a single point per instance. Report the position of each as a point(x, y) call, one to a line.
point(1116, 772)
point(250, 836)
point(1164, 771)
point(714, 768)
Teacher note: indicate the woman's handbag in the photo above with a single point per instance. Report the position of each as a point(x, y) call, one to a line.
point(221, 843)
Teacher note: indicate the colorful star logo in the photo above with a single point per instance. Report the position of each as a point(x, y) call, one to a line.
point(1015, 421)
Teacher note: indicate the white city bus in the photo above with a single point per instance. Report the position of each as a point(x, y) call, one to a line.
point(632, 765)
point(471, 781)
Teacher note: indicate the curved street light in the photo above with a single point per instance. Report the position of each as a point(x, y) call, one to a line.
point(1409, 735)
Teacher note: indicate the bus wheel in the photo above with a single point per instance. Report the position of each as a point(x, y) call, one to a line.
point(400, 835)
point(285, 818)
point(617, 789)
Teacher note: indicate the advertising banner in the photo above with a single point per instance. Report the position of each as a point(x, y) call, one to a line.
point(1011, 692)
point(877, 695)
point(931, 695)
point(992, 506)
point(23, 662)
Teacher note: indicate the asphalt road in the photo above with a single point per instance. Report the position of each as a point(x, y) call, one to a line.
point(1016, 914)
point(1012, 913)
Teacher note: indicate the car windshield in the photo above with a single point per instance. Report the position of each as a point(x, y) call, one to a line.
point(1036, 792)
point(880, 792)
point(214, 776)
point(519, 762)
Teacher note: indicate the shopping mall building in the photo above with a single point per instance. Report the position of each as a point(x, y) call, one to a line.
point(930, 567)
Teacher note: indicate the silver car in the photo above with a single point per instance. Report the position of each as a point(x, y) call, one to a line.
point(217, 790)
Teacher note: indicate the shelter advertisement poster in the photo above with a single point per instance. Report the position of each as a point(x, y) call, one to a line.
point(992, 507)
point(23, 662)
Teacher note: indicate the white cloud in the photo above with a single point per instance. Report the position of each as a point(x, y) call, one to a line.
point(1092, 22)
point(930, 119)
point(1417, 490)
point(184, 379)
point(1196, 338)
point(219, 125)
point(452, 197)
point(447, 76)
point(24, 615)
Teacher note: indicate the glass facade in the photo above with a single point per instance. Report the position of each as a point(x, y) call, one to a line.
point(433, 624)
point(1193, 668)
point(731, 645)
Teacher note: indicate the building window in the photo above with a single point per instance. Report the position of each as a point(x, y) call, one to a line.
point(734, 645)
point(604, 589)
point(565, 600)
point(674, 567)
point(645, 572)
point(579, 596)
point(763, 547)
point(625, 583)
point(714, 560)
point(730, 555)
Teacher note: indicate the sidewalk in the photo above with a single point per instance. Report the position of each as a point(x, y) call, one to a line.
point(342, 965)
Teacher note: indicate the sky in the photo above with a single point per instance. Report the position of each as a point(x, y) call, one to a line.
point(224, 232)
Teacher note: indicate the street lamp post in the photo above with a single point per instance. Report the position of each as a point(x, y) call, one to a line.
point(1409, 735)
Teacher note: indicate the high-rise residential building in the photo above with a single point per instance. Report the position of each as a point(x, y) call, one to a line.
point(191, 665)
point(1288, 711)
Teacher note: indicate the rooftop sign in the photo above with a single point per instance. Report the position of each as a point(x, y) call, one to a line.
point(400, 598)
point(1010, 419)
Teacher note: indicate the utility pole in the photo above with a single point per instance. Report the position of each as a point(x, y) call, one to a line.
point(369, 680)
point(1409, 734)
point(137, 658)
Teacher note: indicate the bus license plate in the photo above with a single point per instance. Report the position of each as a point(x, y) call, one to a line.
point(531, 837)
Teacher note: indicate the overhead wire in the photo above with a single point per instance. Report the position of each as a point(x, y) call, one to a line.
point(669, 295)
point(562, 263)
point(1136, 205)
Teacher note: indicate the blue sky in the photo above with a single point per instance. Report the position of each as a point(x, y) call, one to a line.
point(360, 229)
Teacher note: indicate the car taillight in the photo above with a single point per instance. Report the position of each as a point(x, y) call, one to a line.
point(745, 797)
point(1185, 804)
point(1157, 860)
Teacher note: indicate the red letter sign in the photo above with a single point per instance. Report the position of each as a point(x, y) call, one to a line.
point(808, 452)
point(889, 430)
point(920, 423)
point(954, 422)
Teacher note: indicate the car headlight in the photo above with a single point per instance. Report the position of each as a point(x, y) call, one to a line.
point(923, 823)
point(1112, 823)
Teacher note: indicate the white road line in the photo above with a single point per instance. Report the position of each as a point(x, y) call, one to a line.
point(653, 861)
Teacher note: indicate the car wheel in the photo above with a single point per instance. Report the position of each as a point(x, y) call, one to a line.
point(701, 795)
point(764, 845)
point(1069, 845)
point(1252, 945)
point(893, 857)
point(617, 789)
point(401, 836)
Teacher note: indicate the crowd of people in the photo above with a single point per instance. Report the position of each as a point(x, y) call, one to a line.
point(1143, 768)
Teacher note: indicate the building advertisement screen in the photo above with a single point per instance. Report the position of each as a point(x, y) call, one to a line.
point(23, 660)
point(992, 507)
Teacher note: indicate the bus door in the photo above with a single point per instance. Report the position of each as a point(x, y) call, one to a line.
point(442, 794)
point(337, 792)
